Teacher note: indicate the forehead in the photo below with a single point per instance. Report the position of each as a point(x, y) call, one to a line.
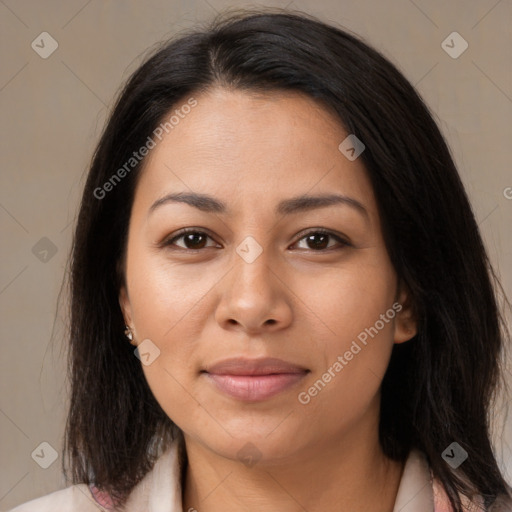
point(261, 146)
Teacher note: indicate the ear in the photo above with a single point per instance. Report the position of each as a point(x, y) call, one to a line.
point(406, 322)
point(126, 309)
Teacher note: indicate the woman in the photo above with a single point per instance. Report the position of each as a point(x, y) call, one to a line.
point(273, 219)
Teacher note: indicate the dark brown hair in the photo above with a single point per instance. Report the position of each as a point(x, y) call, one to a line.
point(439, 386)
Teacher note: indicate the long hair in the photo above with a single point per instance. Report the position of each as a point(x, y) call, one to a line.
point(439, 386)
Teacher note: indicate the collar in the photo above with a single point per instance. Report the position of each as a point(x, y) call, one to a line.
point(415, 492)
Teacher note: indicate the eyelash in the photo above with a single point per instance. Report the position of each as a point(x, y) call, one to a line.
point(169, 242)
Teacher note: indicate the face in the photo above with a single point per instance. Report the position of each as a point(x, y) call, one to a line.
point(260, 276)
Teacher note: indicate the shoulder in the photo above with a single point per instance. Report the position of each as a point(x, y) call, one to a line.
point(160, 489)
point(76, 498)
point(420, 490)
point(475, 504)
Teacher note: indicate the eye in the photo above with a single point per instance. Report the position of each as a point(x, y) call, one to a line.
point(317, 240)
point(192, 238)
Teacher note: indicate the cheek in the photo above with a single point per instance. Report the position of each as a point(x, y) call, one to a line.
point(167, 300)
point(356, 307)
point(175, 394)
point(347, 300)
point(167, 309)
point(347, 385)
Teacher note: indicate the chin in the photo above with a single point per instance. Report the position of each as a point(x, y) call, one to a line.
point(255, 447)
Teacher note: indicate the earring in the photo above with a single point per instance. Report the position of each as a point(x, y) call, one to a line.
point(128, 333)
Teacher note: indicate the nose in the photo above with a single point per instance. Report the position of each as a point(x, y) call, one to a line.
point(254, 297)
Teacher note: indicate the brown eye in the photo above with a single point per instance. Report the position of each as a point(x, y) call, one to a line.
point(195, 240)
point(318, 240)
point(192, 240)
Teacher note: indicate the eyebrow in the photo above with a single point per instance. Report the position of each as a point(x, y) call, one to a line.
point(290, 206)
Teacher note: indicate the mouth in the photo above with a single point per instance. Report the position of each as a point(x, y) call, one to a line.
point(254, 380)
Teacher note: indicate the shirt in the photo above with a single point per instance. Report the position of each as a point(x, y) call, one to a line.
point(160, 491)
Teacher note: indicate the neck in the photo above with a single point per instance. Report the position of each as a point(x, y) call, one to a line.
point(318, 478)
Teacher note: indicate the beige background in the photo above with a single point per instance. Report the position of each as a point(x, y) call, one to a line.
point(54, 109)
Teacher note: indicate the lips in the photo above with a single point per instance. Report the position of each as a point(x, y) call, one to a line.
point(254, 379)
point(265, 366)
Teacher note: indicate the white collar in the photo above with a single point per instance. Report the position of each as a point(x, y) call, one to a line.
point(415, 493)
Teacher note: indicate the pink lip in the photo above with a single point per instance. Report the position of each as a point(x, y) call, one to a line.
point(254, 379)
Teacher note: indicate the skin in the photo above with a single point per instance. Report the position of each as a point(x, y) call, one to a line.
point(204, 305)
